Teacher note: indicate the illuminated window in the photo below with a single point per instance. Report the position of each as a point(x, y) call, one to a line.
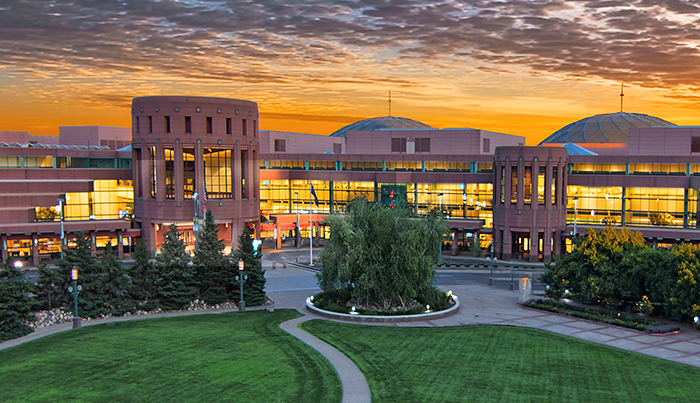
point(541, 185)
point(527, 185)
point(555, 179)
point(244, 158)
point(188, 172)
point(152, 158)
point(169, 173)
point(9, 161)
point(217, 173)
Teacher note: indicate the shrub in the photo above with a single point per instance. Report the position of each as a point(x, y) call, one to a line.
point(433, 296)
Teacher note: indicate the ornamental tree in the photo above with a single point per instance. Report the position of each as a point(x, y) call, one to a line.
point(382, 254)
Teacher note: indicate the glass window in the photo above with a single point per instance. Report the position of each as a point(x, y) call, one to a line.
point(152, 157)
point(541, 185)
point(217, 173)
point(9, 161)
point(169, 173)
point(513, 184)
point(188, 172)
point(38, 162)
point(398, 145)
point(527, 185)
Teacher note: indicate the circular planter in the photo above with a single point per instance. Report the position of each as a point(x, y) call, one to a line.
point(381, 318)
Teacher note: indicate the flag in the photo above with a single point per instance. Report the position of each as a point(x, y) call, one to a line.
point(313, 193)
point(204, 198)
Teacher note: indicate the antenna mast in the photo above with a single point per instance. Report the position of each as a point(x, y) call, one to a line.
point(389, 101)
point(622, 94)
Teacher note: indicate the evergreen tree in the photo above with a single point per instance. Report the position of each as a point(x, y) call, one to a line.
point(15, 303)
point(254, 286)
point(92, 299)
point(214, 270)
point(143, 278)
point(175, 288)
point(48, 291)
point(115, 284)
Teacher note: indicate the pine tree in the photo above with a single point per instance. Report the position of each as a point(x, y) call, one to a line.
point(15, 303)
point(115, 284)
point(48, 291)
point(91, 301)
point(175, 288)
point(254, 286)
point(214, 270)
point(143, 278)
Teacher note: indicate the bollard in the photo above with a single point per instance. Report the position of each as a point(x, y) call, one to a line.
point(284, 262)
point(274, 265)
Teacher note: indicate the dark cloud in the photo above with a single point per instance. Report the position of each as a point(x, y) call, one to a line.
point(648, 42)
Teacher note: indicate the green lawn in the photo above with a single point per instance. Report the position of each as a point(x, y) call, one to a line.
point(233, 357)
point(502, 364)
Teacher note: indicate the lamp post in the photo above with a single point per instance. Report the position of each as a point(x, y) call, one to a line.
point(75, 290)
point(464, 203)
point(298, 228)
point(60, 217)
point(575, 215)
point(440, 248)
point(241, 278)
point(491, 259)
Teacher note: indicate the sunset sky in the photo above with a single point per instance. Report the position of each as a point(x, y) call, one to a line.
point(525, 67)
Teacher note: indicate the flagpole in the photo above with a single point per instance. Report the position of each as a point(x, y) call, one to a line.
point(311, 230)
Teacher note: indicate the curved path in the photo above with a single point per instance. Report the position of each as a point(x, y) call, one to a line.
point(355, 387)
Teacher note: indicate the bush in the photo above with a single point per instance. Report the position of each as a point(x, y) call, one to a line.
point(433, 296)
point(333, 300)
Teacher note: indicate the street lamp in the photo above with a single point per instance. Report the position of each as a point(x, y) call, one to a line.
point(75, 290)
point(491, 260)
point(241, 278)
point(696, 320)
point(440, 248)
point(575, 215)
point(298, 228)
point(60, 217)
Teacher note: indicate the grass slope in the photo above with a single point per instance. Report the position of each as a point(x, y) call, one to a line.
point(233, 357)
point(502, 364)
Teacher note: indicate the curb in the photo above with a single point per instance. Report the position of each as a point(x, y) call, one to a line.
point(384, 319)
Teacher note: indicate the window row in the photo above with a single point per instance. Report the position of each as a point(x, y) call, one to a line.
point(184, 124)
point(49, 161)
point(409, 166)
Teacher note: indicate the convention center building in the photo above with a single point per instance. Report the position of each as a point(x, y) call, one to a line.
point(183, 155)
